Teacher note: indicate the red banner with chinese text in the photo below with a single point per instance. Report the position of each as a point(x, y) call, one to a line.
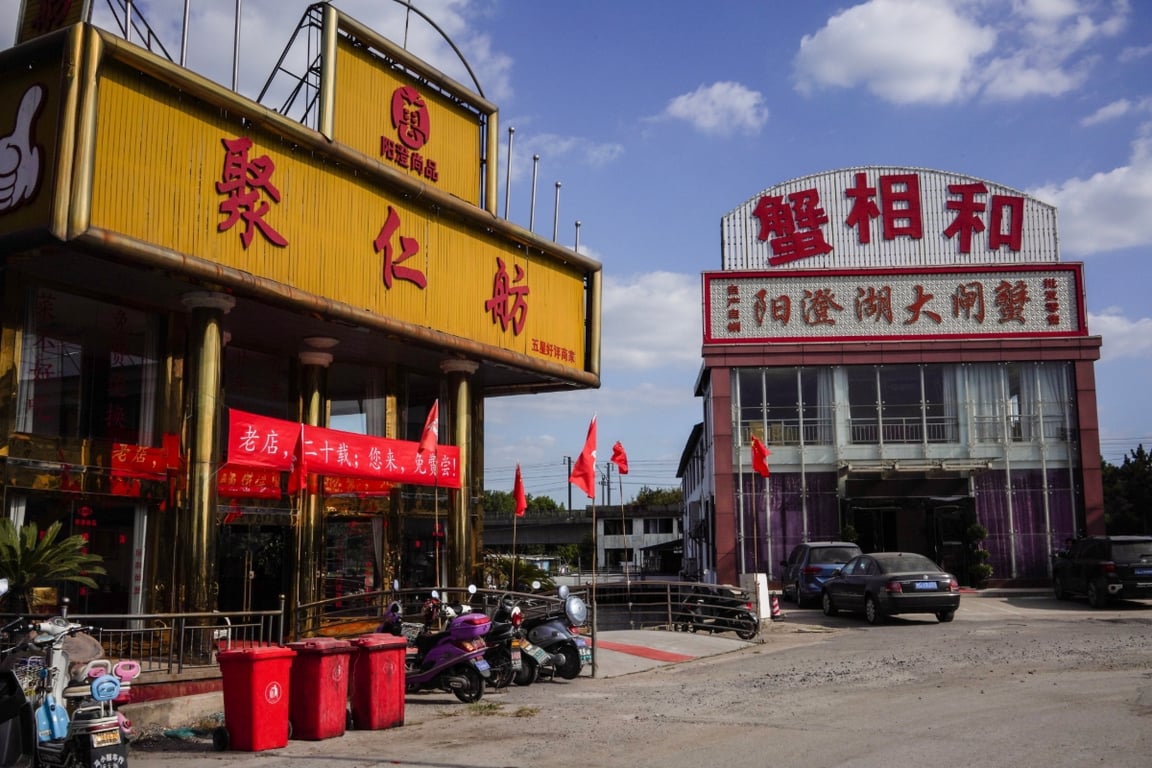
point(331, 452)
point(238, 481)
point(261, 441)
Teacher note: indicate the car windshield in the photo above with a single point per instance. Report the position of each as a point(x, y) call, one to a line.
point(905, 561)
point(1131, 551)
point(828, 555)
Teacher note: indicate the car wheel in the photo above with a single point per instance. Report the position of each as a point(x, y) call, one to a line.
point(829, 608)
point(872, 611)
point(1058, 589)
point(800, 601)
point(1097, 595)
point(945, 616)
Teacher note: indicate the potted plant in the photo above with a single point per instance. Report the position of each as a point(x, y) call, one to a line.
point(29, 559)
point(979, 569)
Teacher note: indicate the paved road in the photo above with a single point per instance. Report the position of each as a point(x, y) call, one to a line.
point(1014, 680)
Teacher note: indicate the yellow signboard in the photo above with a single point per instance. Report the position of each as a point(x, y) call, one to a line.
point(182, 175)
point(406, 125)
point(31, 93)
point(39, 17)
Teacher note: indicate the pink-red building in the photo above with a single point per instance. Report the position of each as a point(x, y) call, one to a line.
point(913, 354)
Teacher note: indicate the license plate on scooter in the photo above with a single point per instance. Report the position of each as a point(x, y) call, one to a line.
point(538, 653)
point(585, 651)
point(481, 664)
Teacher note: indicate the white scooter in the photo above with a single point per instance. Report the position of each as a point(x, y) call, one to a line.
point(56, 698)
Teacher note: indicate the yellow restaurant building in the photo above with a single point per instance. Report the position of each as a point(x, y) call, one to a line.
point(223, 330)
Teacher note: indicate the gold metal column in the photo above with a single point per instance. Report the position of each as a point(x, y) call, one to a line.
point(196, 544)
point(461, 559)
point(310, 522)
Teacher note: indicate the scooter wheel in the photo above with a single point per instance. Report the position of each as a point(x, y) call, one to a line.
point(747, 630)
point(529, 670)
point(568, 666)
point(474, 690)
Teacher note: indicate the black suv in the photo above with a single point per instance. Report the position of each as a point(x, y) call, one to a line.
point(1104, 567)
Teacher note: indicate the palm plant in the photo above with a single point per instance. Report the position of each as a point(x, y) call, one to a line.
point(29, 559)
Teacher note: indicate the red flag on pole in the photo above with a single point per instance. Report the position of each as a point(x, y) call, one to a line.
point(518, 494)
point(760, 457)
point(584, 472)
point(431, 434)
point(619, 458)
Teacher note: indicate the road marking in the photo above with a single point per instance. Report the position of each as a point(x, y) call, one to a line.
point(644, 651)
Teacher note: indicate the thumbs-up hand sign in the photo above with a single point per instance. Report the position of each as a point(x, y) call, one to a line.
point(19, 158)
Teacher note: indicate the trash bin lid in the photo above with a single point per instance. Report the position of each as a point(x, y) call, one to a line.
point(255, 653)
point(321, 645)
point(379, 640)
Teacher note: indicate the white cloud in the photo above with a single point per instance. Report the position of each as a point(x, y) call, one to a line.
point(904, 51)
point(1108, 112)
point(1122, 337)
point(947, 51)
point(651, 320)
point(1135, 54)
point(553, 149)
point(720, 109)
point(1106, 211)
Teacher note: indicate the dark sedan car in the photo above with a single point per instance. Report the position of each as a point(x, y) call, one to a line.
point(883, 584)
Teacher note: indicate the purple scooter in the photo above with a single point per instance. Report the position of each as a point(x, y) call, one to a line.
point(450, 660)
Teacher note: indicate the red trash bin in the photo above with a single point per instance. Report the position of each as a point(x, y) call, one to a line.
point(256, 687)
point(319, 705)
point(377, 683)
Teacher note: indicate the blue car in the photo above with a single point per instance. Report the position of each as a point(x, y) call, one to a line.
point(810, 565)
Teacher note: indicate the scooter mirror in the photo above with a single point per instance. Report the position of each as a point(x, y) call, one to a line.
point(535, 585)
point(471, 589)
point(3, 586)
point(563, 591)
point(435, 595)
point(395, 585)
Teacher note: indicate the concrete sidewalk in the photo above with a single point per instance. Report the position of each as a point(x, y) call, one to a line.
point(615, 653)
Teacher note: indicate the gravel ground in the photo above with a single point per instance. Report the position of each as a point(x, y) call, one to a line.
point(1044, 690)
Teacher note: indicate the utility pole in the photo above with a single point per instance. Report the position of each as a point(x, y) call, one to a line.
point(568, 461)
point(607, 483)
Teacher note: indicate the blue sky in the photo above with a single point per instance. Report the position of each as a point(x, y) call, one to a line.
point(657, 117)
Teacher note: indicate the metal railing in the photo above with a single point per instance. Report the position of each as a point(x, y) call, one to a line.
point(174, 643)
point(614, 605)
point(188, 643)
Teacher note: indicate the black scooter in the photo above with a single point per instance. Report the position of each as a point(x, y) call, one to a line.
point(719, 609)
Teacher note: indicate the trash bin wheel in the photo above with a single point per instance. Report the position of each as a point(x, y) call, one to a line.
point(220, 739)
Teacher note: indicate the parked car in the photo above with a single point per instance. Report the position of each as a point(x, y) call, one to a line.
point(883, 584)
point(810, 565)
point(1104, 567)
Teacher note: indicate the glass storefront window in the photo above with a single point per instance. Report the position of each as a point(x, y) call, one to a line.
point(87, 369)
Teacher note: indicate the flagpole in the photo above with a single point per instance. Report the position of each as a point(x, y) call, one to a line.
point(512, 576)
point(595, 558)
point(627, 546)
point(740, 519)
